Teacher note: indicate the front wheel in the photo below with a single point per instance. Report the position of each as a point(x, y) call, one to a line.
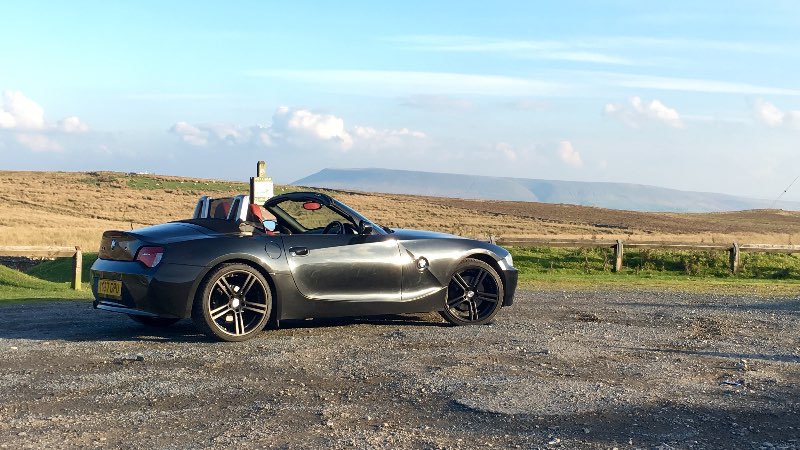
point(474, 294)
point(233, 303)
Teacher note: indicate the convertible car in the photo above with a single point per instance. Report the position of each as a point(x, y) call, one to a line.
point(300, 255)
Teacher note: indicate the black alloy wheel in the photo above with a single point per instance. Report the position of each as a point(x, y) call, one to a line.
point(233, 303)
point(474, 294)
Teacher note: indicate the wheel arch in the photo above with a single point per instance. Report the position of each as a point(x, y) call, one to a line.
point(237, 259)
point(488, 259)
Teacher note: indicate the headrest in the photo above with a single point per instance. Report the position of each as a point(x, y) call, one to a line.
point(254, 213)
point(222, 210)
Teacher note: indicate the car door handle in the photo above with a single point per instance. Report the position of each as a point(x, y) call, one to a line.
point(298, 251)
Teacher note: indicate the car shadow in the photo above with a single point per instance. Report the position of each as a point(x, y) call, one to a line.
point(78, 321)
point(386, 319)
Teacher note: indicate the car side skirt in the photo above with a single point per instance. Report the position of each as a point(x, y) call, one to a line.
point(293, 305)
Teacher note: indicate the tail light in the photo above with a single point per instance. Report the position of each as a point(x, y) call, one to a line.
point(150, 256)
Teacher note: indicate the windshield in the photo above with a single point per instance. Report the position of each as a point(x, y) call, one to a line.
point(308, 218)
point(315, 214)
point(357, 216)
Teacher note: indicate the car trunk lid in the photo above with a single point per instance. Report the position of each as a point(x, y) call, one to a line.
point(119, 246)
point(123, 245)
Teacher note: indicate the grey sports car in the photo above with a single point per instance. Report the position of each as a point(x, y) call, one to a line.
point(300, 255)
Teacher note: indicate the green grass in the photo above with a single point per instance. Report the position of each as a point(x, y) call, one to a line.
point(542, 268)
point(759, 273)
point(15, 285)
point(48, 280)
point(59, 270)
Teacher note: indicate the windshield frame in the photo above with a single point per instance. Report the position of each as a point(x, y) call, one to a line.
point(337, 206)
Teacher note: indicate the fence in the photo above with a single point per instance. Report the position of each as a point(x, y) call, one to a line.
point(50, 252)
point(619, 247)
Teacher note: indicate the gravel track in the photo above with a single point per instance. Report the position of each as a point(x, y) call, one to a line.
point(605, 369)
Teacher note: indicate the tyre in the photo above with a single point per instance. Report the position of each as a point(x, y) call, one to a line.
point(155, 322)
point(233, 303)
point(474, 294)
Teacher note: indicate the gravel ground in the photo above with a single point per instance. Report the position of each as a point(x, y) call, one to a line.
point(570, 370)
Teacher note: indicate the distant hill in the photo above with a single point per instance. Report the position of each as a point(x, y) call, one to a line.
point(634, 197)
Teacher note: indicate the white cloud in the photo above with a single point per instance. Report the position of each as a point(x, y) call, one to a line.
point(636, 112)
point(549, 50)
point(553, 83)
point(72, 124)
point(190, 134)
point(297, 127)
point(220, 134)
point(593, 49)
point(771, 116)
point(38, 142)
point(568, 154)
point(374, 139)
point(389, 82)
point(20, 112)
point(300, 124)
point(506, 150)
point(25, 123)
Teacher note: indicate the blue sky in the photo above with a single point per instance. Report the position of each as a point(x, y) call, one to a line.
point(689, 95)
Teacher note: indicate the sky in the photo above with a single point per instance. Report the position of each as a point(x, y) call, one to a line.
point(701, 96)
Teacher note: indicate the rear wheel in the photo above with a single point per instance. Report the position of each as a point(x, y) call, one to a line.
point(233, 303)
point(155, 322)
point(474, 294)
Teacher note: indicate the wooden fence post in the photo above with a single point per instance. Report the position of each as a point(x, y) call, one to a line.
point(77, 266)
point(618, 250)
point(735, 258)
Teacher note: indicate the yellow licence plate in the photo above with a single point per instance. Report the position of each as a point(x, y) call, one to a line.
point(109, 288)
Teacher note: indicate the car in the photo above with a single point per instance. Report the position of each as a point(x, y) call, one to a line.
point(299, 255)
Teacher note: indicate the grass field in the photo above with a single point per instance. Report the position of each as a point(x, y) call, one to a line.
point(559, 268)
point(15, 286)
point(541, 268)
point(74, 208)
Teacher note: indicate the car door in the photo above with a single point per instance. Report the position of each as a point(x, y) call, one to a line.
point(343, 267)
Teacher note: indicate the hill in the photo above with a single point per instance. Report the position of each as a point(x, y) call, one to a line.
point(74, 208)
point(625, 196)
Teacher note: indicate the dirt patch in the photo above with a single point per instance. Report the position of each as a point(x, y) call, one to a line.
point(579, 370)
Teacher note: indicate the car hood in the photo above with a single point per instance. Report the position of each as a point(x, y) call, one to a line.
point(407, 235)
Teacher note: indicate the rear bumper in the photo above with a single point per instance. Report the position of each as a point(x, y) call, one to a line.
point(163, 291)
point(510, 276)
point(108, 305)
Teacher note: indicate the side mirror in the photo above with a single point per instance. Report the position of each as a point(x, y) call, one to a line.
point(270, 225)
point(364, 228)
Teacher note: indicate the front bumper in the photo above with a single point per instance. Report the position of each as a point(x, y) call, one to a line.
point(164, 291)
point(510, 277)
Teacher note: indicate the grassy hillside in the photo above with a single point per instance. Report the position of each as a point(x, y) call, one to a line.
point(69, 208)
point(602, 194)
point(18, 286)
